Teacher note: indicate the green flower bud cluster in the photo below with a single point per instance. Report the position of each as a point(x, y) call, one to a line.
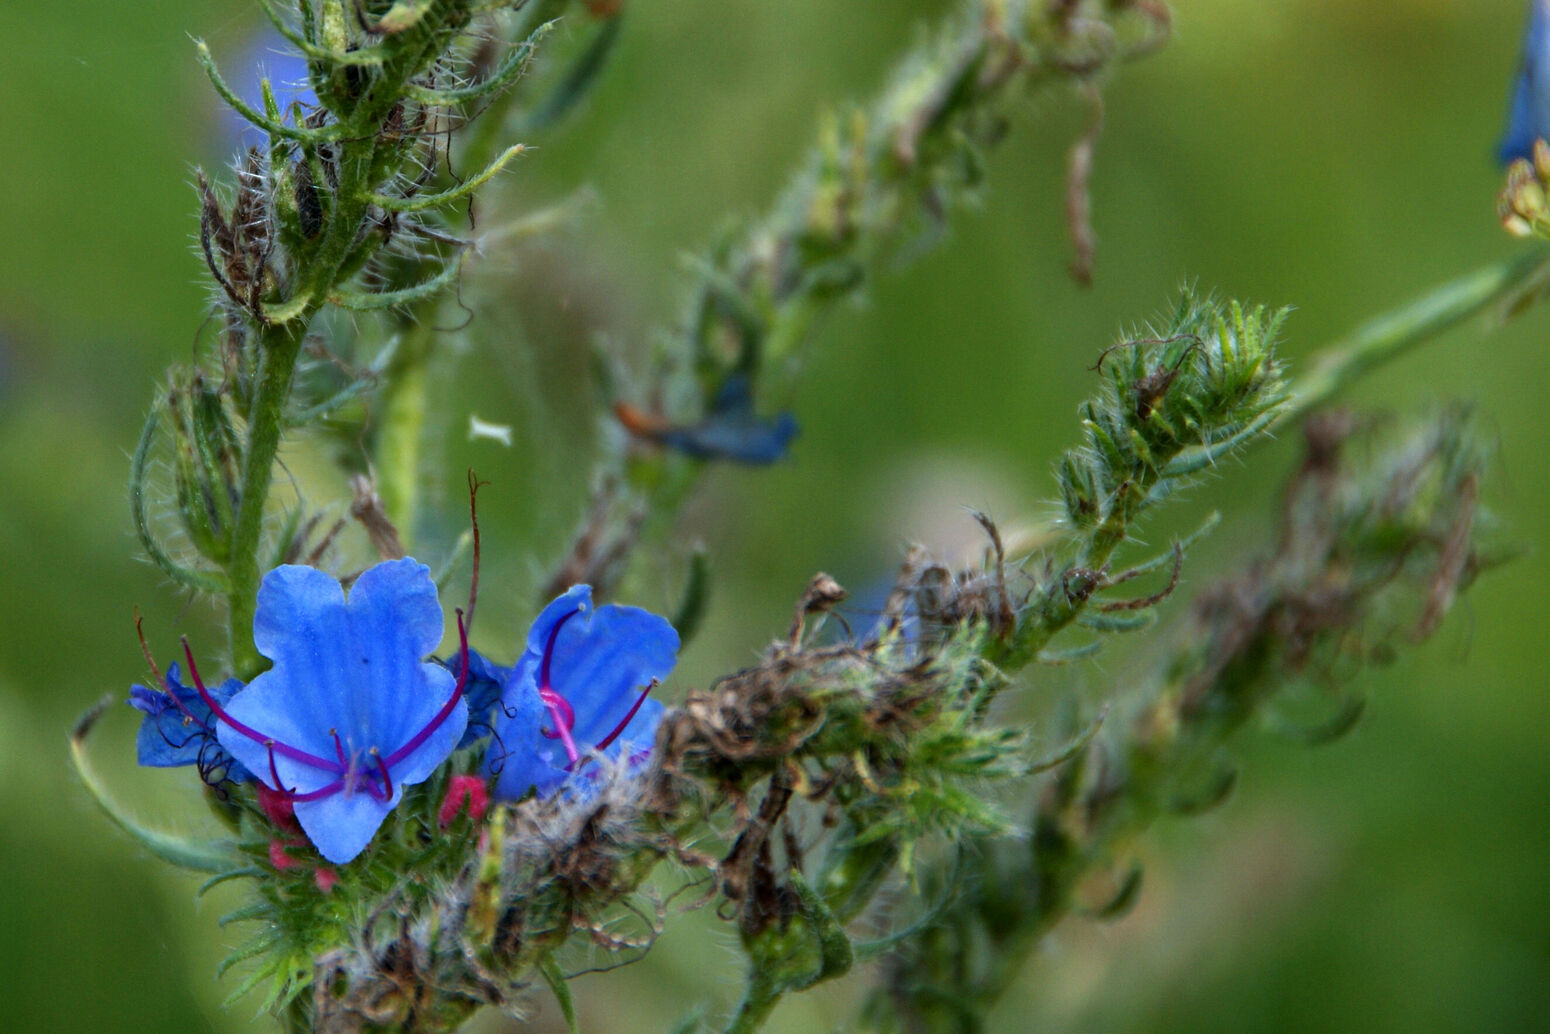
point(1376, 538)
point(1524, 203)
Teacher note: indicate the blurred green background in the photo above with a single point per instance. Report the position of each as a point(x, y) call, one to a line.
point(1328, 154)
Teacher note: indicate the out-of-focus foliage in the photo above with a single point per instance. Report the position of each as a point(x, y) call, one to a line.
point(1336, 155)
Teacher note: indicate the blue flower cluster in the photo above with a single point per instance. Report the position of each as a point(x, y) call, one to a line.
point(351, 712)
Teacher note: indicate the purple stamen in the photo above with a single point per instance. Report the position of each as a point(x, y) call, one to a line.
point(387, 778)
point(628, 718)
point(274, 773)
point(247, 730)
point(188, 716)
point(446, 709)
point(545, 665)
point(317, 795)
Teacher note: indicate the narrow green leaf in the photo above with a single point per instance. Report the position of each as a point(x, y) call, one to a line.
point(368, 300)
point(1119, 621)
point(334, 131)
point(1074, 746)
point(696, 593)
point(424, 202)
point(579, 78)
point(186, 854)
point(254, 948)
point(508, 72)
point(550, 971)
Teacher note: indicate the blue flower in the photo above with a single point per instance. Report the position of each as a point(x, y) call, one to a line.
point(730, 431)
point(179, 728)
point(580, 691)
point(1529, 118)
point(350, 713)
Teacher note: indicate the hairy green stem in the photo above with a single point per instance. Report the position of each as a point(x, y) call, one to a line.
point(279, 346)
point(759, 1000)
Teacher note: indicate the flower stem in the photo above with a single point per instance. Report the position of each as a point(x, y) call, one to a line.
point(1395, 333)
point(279, 346)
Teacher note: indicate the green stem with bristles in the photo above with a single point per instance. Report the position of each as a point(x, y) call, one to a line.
point(279, 347)
point(1396, 333)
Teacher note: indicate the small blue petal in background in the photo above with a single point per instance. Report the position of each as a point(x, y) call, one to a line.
point(171, 735)
point(730, 431)
point(482, 691)
point(1529, 118)
point(271, 56)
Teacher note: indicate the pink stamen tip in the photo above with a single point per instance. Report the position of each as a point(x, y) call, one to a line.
point(339, 748)
point(560, 708)
point(564, 720)
point(277, 856)
point(463, 789)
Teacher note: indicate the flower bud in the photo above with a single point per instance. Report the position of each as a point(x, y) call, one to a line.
point(207, 462)
point(1524, 205)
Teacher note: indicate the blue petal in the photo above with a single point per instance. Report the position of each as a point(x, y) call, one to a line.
point(342, 825)
point(601, 666)
point(514, 756)
point(482, 690)
point(732, 431)
point(395, 622)
point(167, 738)
point(151, 701)
point(578, 598)
point(352, 667)
point(751, 440)
point(171, 735)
